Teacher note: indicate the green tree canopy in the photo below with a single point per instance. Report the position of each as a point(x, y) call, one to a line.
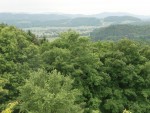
point(49, 93)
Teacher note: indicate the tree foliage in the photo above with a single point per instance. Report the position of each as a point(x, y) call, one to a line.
point(18, 55)
point(49, 93)
point(111, 76)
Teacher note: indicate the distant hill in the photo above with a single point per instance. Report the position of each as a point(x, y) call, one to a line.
point(84, 21)
point(107, 14)
point(115, 32)
point(121, 19)
point(64, 20)
point(47, 20)
point(37, 17)
point(32, 20)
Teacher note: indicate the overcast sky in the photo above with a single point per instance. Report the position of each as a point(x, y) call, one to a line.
point(141, 7)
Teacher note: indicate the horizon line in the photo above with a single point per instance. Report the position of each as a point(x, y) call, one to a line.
point(127, 13)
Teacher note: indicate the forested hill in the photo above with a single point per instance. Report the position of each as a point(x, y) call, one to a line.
point(47, 20)
point(72, 74)
point(61, 20)
point(116, 32)
point(121, 19)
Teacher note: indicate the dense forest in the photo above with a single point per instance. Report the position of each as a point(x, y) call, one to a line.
point(116, 32)
point(73, 74)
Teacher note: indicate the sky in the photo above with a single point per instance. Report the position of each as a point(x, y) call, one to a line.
point(140, 7)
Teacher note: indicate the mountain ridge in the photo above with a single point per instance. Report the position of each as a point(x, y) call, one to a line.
point(64, 20)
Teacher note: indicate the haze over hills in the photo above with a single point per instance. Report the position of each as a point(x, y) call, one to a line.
point(66, 20)
point(119, 19)
point(107, 14)
point(51, 24)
